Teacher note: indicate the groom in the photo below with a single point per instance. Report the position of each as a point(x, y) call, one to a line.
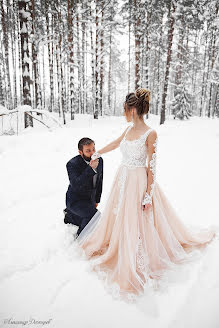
point(85, 185)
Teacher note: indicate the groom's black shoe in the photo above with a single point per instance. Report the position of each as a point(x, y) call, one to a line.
point(66, 218)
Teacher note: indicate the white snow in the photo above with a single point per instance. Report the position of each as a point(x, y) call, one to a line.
point(24, 13)
point(26, 73)
point(3, 110)
point(42, 276)
point(13, 120)
point(24, 28)
point(25, 45)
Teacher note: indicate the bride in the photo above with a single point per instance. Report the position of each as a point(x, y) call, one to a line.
point(139, 235)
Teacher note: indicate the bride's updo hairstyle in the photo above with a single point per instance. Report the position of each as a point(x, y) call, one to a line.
point(139, 99)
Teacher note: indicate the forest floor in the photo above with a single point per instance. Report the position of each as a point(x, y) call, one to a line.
point(41, 275)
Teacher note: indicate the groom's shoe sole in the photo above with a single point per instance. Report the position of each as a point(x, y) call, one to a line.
point(66, 219)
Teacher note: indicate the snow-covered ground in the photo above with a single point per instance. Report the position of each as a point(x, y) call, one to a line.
point(41, 273)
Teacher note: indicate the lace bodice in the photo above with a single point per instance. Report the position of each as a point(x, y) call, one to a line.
point(135, 153)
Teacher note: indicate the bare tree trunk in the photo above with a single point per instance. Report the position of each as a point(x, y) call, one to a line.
point(145, 76)
point(129, 51)
point(158, 69)
point(169, 56)
point(137, 45)
point(61, 85)
point(58, 78)
point(208, 84)
point(2, 70)
point(37, 95)
point(86, 77)
point(23, 16)
point(51, 104)
point(14, 58)
point(210, 104)
point(44, 80)
point(79, 64)
point(181, 28)
point(5, 25)
point(71, 57)
point(92, 66)
point(2, 95)
point(19, 59)
point(51, 69)
point(216, 103)
point(83, 60)
point(203, 79)
point(97, 64)
point(194, 71)
point(101, 60)
point(110, 71)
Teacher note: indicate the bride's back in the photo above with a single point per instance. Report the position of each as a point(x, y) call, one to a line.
point(134, 151)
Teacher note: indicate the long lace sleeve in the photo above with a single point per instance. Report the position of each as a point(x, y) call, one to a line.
point(151, 170)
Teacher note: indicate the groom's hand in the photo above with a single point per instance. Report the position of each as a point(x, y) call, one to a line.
point(96, 204)
point(94, 163)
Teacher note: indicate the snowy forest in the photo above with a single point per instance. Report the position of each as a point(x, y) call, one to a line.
point(71, 56)
point(66, 67)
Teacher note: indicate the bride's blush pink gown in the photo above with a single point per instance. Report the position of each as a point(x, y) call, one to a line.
point(128, 246)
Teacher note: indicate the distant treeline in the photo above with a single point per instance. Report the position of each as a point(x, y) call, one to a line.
point(63, 55)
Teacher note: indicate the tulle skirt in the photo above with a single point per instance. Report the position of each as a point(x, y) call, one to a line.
point(130, 248)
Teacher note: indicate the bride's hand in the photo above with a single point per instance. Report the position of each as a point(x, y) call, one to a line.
point(95, 155)
point(145, 207)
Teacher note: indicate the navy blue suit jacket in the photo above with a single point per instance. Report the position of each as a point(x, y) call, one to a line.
point(81, 187)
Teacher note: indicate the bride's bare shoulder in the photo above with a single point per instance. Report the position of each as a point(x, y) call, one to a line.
point(152, 136)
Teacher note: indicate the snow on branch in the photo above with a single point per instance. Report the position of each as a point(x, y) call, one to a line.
point(29, 110)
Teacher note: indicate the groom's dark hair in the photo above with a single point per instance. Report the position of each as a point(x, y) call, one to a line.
point(84, 141)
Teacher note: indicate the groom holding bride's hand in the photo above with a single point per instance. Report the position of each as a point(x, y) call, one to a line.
point(85, 185)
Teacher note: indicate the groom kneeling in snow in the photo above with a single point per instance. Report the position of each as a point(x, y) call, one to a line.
point(85, 188)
